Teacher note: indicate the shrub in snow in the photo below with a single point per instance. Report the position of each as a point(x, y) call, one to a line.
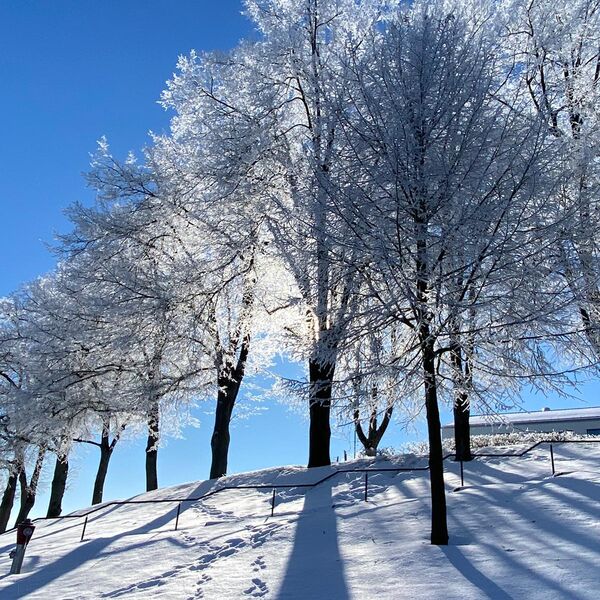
point(514, 438)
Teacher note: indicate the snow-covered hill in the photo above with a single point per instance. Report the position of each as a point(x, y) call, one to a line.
point(516, 532)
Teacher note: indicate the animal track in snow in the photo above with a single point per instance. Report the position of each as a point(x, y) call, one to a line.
point(258, 589)
point(142, 585)
point(199, 591)
point(259, 564)
point(211, 553)
point(206, 510)
point(214, 553)
point(262, 532)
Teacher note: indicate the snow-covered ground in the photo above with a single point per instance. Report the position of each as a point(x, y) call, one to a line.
point(516, 532)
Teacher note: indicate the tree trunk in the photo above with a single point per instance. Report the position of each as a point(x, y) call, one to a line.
point(439, 526)
point(371, 442)
point(321, 379)
point(229, 382)
point(59, 484)
point(23, 488)
point(105, 454)
point(220, 439)
point(152, 448)
point(8, 499)
point(462, 429)
point(461, 409)
point(28, 492)
point(106, 450)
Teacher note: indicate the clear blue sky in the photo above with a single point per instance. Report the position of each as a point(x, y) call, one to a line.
point(70, 72)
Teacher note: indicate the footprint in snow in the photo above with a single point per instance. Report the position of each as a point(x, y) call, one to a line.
point(230, 546)
point(199, 591)
point(262, 532)
point(258, 589)
point(150, 583)
point(205, 509)
point(259, 564)
point(189, 538)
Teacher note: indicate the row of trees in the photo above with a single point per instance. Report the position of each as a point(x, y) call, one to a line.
point(400, 198)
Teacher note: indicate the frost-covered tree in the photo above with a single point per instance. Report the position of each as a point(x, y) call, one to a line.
point(372, 383)
point(48, 367)
point(262, 122)
point(196, 265)
point(12, 447)
point(399, 196)
point(451, 206)
point(114, 269)
point(557, 51)
point(302, 56)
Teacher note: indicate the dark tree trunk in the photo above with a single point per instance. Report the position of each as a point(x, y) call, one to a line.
point(106, 450)
point(23, 488)
point(105, 454)
point(8, 499)
point(371, 441)
point(28, 492)
point(230, 371)
point(220, 439)
point(462, 429)
point(461, 410)
point(152, 448)
point(321, 380)
point(439, 525)
point(229, 382)
point(59, 484)
point(366, 439)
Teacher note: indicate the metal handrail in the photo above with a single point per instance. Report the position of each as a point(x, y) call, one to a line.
point(275, 486)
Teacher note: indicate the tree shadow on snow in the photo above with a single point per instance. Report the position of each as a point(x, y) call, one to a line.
point(93, 549)
point(315, 569)
point(462, 564)
point(523, 522)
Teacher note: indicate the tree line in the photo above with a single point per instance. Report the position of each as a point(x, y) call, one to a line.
point(401, 198)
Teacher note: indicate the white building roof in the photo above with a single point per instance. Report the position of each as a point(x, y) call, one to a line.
point(541, 416)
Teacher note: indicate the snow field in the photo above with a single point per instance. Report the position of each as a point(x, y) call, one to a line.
point(515, 532)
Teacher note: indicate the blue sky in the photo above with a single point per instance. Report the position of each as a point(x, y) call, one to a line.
point(72, 71)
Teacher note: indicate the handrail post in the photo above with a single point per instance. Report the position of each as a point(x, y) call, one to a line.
point(84, 526)
point(462, 475)
point(177, 517)
point(552, 459)
point(366, 485)
point(273, 502)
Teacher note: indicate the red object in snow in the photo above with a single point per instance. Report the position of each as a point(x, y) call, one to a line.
point(25, 532)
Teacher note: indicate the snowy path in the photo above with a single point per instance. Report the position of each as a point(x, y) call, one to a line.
point(516, 532)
